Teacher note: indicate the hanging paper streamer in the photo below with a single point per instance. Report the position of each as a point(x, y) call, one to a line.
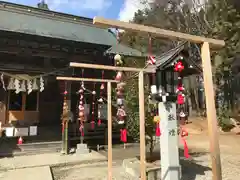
point(10, 84)
point(41, 84)
point(35, 86)
point(29, 86)
point(23, 86)
point(3, 83)
point(17, 86)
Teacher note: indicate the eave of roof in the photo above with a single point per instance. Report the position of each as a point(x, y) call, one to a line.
point(124, 50)
point(165, 59)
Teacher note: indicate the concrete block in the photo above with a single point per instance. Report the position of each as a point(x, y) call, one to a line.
point(82, 149)
point(82, 146)
point(132, 167)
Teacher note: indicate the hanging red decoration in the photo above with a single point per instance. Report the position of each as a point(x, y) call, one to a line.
point(185, 146)
point(158, 130)
point(151, 60)
point(123, 135)
point(81, 108)
point(180, 99)
point(184, 133)
point(99, 122)
point(179, 66)
point(180, 88)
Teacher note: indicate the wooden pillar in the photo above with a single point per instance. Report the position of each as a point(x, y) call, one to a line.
point(109, 111)
point(142, 126)
point(211, 112)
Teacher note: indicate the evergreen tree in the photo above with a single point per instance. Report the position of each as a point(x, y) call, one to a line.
point(42, 5)
point(218, 19)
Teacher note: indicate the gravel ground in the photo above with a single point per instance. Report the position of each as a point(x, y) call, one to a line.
point(198, 168)
point(195, 169)
point(93, 172)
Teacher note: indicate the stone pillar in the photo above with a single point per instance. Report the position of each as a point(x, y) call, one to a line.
point(170, 168)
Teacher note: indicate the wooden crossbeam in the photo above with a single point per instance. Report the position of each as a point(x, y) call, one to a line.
point(107, 23)
point(110, 68)
point(85, 79)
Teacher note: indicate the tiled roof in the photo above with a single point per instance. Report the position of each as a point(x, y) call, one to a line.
point(35, 21)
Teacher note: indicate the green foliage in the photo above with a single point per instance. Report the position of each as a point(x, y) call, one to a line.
point(224, 118)
point(42, 5)
point(218, 19)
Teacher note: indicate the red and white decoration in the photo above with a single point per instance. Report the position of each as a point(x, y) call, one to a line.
point(179, 67)
point(121, 113)
point(81, 109)
point(101, 101)
point(93, 107)
point(151, 60)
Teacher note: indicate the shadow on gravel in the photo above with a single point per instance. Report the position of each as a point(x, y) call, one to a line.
point(190, 168)
point(155, 156)
point(8, 146)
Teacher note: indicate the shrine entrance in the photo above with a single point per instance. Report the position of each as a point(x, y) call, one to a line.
point(23, 107)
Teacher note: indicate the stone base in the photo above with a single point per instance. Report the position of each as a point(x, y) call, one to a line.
point(132, 167)
point(82, 149)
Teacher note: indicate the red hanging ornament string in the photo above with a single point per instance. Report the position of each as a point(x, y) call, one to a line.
point(158, 130)
point(156, 119)
point(179, 67)
point(151, 58)
point(123, 135)
point(65, 108)
point(183, 134)
point(81, 107)
point(93, 107)
point(101, 101)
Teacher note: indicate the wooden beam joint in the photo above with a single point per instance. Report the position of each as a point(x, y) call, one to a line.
point(107, 23)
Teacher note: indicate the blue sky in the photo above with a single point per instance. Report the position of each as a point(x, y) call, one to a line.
point(113, 9)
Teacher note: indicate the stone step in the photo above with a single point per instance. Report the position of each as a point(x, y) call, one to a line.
point(40, 146)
